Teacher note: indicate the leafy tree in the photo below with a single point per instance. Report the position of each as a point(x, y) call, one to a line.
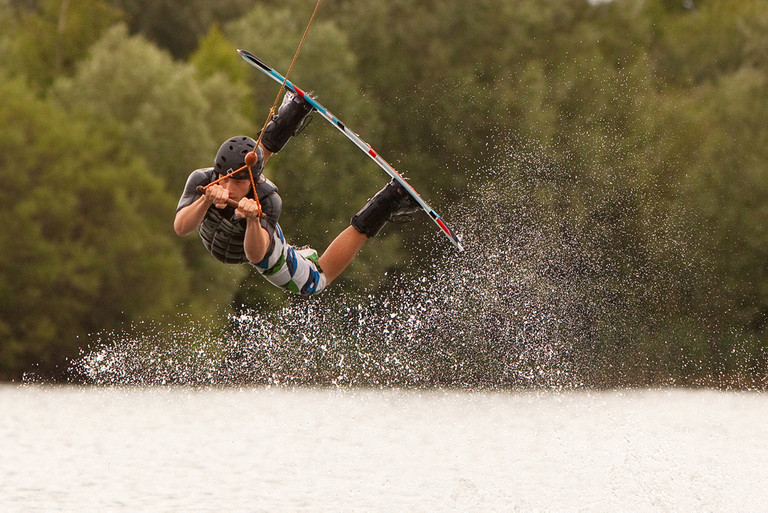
point(48, 40)
point(215, 54)
point(628, 135)
point(87, 245)
point(164, 111)
point(730, 187)
point(169, 115)
point(718, 37)
point(176, 26)
point(574, 87)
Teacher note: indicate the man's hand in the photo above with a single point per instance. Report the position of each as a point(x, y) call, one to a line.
point(189, 218)
point(217, 195)
point(249, 208)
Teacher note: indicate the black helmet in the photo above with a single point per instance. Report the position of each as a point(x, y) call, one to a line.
point(231, 156)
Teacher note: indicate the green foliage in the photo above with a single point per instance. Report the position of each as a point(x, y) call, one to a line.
point(177, 26)
point(730, 185)
point(162, 110)
point(172, 118)
point(215, 55)
point(620, 155)
point(635, 130)
point(48, 41)
point(86, 245)
point(718, 38)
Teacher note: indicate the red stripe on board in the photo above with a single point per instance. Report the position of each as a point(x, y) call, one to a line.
point(371, 152)
point(442, 225)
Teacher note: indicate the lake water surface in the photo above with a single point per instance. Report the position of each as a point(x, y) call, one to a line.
point(80, 449)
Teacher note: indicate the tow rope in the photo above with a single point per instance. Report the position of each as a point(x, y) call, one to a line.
point(251, 158)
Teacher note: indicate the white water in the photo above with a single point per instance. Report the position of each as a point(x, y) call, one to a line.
point(255, 449)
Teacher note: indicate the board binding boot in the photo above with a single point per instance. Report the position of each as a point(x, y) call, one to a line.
point(291, 118)
point(392, 203)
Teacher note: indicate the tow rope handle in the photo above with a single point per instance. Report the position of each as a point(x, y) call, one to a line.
point(230, 202)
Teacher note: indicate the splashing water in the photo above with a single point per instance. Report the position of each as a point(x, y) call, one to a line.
point(510, 311)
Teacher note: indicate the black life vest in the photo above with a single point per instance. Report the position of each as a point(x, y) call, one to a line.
point(223, 233)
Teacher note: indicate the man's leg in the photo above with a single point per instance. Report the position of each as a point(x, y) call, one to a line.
point(291, 118)
point(390, 203)
point(341, 252)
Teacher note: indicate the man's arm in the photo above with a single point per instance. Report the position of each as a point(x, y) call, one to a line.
point(257, 239)
point(189, 218)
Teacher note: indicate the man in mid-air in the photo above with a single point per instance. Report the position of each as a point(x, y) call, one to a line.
point(239, 225)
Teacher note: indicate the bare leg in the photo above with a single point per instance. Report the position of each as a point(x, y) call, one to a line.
point(341, 252)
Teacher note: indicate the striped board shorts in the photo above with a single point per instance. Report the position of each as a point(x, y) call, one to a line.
point(293, 269)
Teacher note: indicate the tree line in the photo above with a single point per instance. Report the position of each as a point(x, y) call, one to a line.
point(633, 130)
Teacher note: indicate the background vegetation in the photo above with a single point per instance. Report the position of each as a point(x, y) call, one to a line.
point(646, 119)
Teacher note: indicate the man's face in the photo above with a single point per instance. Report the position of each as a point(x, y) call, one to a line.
point(238, 189)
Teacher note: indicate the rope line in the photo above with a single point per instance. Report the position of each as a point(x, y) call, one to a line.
point(274, 105)
point(288, 74)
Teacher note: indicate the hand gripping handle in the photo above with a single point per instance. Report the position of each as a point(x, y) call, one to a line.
point(230, 202)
